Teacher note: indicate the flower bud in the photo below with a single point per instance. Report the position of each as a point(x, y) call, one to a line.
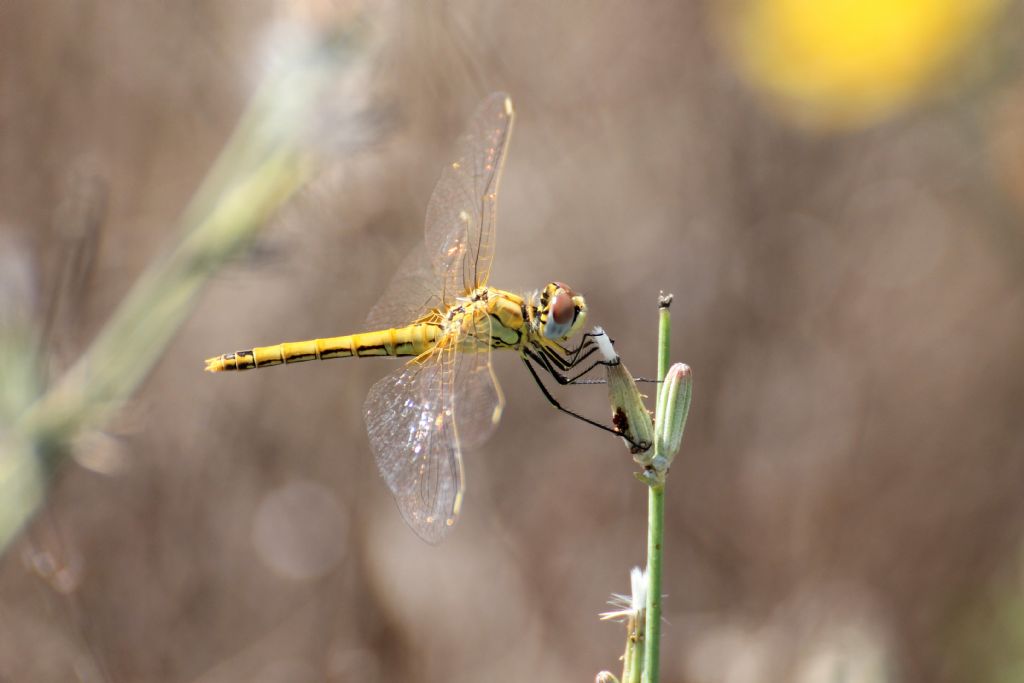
point(673, 407)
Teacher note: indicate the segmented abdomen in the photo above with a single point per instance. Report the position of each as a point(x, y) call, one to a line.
point(412, 340)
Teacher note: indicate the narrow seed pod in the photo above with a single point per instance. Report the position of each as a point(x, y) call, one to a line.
point(630, 417)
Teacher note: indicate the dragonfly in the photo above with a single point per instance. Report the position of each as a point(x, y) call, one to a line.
point(440, 312)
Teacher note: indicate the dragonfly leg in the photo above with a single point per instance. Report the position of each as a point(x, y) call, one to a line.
point(586, 342)
point(558, 367)
point(564, 379)
point(575, 378)
point(555, 403)
point(579, 358)
point(549, 360)
point(564, 363)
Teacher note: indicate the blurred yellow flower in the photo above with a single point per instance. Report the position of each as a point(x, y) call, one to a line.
point(849, 63)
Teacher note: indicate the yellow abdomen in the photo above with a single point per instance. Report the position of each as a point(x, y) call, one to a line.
point(412, 340)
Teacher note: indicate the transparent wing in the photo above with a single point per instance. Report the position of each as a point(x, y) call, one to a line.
point(418, 418)
point(478, 398)
point(459, 233)
point(411, 423)
point(461, 213)
point(414, 290)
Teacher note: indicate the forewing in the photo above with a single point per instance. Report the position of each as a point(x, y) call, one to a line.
point(460, 223)
point(410, 421)
point(461, 213)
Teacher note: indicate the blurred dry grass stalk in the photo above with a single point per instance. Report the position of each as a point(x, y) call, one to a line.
point(852, 303)
point(263, 164)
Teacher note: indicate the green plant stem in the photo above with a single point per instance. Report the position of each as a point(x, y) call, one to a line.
point(655, 523)
point(655, 518)
point(664, 339)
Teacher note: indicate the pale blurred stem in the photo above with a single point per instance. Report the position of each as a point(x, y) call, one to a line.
point(633, 659)
point(655, 524)
point(136, 335)
point(262, 165)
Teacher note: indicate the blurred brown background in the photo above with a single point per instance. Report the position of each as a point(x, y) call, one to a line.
point(847, 505)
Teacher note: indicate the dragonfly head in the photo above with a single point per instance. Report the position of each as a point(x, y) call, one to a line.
point(561, 312)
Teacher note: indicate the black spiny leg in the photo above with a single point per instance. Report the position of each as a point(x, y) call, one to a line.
point(566, 363)
point(572, 356)
point(552, 401)
point(552, 362)
point(545, 359)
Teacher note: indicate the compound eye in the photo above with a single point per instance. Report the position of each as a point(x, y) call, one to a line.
point(562, 308)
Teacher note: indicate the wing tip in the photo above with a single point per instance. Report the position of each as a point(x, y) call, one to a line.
point(431, 530)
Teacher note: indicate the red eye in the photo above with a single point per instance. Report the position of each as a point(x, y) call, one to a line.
point(562, 308)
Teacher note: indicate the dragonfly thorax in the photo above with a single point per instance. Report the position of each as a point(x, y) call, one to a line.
point(560, 312)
